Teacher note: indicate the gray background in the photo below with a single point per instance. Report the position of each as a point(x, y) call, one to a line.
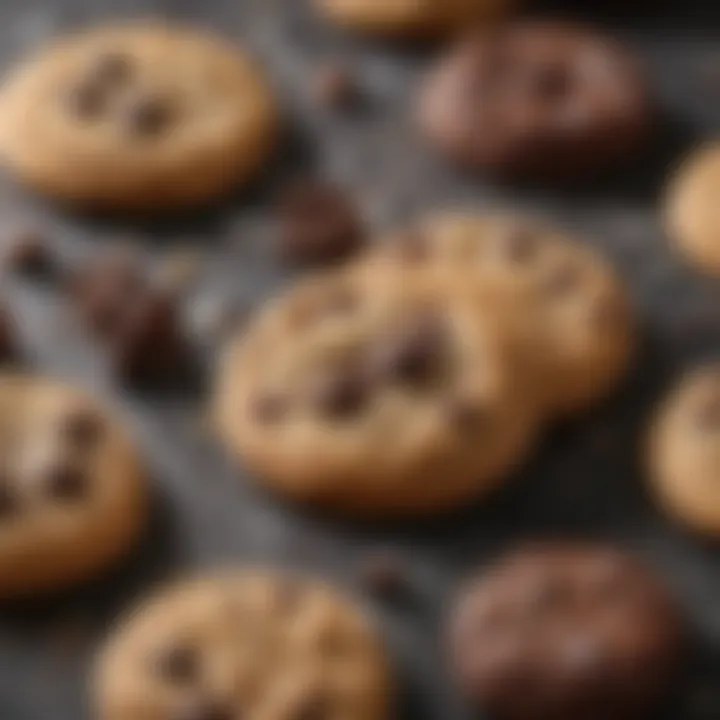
point(586, 482)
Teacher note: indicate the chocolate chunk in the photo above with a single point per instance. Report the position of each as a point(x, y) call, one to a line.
point(179, 665)
point(148, 116)
point(269, 408)
point(341, 393)
point(83, 429)
point(28, 254)
point(203, 710)
point(319, 225)
point(334, 87)
point(65, 482)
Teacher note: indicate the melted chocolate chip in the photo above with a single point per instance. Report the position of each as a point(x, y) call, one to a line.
point(65, 482)
point(179, 665)
point(148, 116)
point(87, 101)
point(341, 393)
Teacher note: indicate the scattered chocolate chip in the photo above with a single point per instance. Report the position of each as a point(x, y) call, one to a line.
point(148, 116)
point(319, 225)
point(203, 710)
point(415, 355)
point(269, 408)
point(8, 499)
point(66, 482)
point(178, 665)
point(83, 428)
point(28, 254)
point(340, 393)
point(334, 87)
point(384, 575)
point(87, 101)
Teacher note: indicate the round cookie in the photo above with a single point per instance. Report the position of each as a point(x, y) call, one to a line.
point(691, 213)
point(244, 644)
point(410, 18)
point(73, 497)
point(556, 632)
point(561, 297)
point(684, 452)
point(137, 118)
point(538, 102)
point(376, 398)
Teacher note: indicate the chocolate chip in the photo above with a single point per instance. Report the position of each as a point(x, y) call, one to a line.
point(9, 502)
point(83, 428)
point(28, 254)
point(519, 244)
point(319, 225)
point(66, 482)
point(562, 281)
point(466, 413)
point(178, 665)
point(269, 408)
point(384, 575)
point(148, 116)
point(203, 710)
point(111, 68)
point(415, 355)
point(8, 344)
point(340, 393)
point(87, 101)
point(334, 87)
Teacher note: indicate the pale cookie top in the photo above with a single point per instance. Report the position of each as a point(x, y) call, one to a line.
point(559, 293)
point(72, 492)
point(684, 452)
point(376, 397)
point(134, 115)
point(692, 210)
point(251, 645)
point(412, 17)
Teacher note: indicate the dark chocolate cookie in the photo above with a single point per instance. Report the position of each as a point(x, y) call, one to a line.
point(559, 632)
point(537, 101)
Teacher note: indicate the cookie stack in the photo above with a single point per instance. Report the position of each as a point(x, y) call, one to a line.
point(418, 377)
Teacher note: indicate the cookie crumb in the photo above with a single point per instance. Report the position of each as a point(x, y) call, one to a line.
point(29, 254)
point(320, 224)
point(385, 576)
point(335, 87)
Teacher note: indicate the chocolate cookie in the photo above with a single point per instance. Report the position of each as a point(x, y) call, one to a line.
point(162, 118)
point(245, 644)
point(556, 632)
point(537, 101)
point(559, 296)
point(684, 451)
point(376, 398)
point(73, 496)
point(429, 18)
point(691, 209)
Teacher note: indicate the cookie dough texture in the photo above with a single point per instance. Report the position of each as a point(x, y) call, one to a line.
point(73, 496)
point(558, 295)
point(137, 117)
point(537, 102)
point(244, 644)
point(691, 209)
point(684, 452)
point(419, 18)
point(375, 398)
point(556, 632)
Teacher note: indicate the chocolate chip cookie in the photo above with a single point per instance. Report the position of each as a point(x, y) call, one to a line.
point(559, 295)
point(684, 451)
point(162, 118)
point(376, 398)
point(245, 644)
point(430, 18)
point(538, 102)
point(557, 632)
point(73, 496)
point(691, 212)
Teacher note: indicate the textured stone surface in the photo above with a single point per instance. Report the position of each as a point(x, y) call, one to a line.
point(587, 481)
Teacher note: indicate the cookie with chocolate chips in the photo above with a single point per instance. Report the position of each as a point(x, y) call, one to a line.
point(73, 495)
point(560, 297)
point(374, 398)
point(162, 117)
point(684, 449)
point(555, 632)
point(539, 102)
point(245, 644)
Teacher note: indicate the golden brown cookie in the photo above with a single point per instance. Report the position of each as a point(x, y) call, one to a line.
point(684, 452)
point(73, 496)
point(376, 398)
point(245, 644)
point(562, 297)
point(137, 118)
point(691, 209)
point(426, 18)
